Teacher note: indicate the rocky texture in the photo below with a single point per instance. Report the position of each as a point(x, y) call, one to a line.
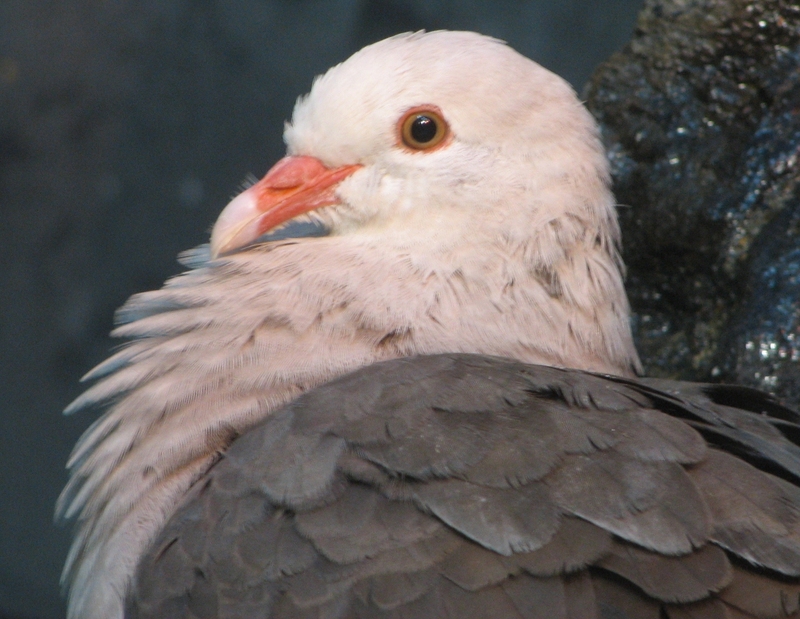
point(701, 115)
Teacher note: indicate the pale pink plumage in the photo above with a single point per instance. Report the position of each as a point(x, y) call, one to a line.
point(505, 243)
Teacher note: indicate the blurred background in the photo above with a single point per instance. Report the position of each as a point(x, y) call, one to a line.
point(125, 126)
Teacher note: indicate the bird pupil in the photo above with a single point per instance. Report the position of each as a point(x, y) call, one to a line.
point(423, 129)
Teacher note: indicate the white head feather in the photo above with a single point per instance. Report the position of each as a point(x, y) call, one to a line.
point(518, 131)
point(502, 242)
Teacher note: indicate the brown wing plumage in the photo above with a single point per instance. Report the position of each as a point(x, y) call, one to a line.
point(465, 486)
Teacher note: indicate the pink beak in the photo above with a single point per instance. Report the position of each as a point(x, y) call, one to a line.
point(293, 186)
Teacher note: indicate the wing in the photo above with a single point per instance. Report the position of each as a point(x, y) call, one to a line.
point(467, 486)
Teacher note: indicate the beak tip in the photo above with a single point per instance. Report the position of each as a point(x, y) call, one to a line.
point(236, 226)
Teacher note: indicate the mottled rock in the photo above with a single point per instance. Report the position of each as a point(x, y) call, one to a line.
point(701, 116)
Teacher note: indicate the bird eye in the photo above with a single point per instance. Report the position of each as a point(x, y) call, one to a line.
point(423, 128)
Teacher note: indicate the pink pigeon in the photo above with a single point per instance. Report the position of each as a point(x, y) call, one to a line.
point(433, 410)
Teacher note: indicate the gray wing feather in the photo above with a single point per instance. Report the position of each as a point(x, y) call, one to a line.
point(756, 515)
point(686, 578)
point(467, 486)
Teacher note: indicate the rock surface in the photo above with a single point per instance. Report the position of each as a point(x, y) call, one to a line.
point(701, 116)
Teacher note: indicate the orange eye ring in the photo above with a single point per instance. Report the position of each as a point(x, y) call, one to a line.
point(423, 128)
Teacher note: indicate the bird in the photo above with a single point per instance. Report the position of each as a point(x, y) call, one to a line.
point(436, 408)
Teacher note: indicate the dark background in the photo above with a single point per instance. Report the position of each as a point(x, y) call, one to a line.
point(125, 126)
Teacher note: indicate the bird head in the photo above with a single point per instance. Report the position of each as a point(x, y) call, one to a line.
point(435, 139)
